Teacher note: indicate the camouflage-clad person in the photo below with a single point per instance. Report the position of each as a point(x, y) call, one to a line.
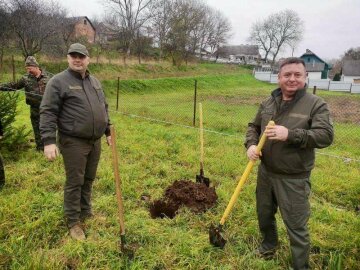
point(34, 83)
point(2, 172)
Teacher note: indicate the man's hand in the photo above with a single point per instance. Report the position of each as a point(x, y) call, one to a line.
point(108, 140)
point(279, 133)
point(51, 152)
point(252, 153)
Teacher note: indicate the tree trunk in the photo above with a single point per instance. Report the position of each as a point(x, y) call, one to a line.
point(124, 59)
point(1, 58)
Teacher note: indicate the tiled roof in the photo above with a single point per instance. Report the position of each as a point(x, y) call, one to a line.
point(314, 67)
point(308, 52)
point(351, 68)
point(239, 50)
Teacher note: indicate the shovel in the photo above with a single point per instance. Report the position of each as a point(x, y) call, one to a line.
point(125, 249)
point(201, 178)
point(215, 233)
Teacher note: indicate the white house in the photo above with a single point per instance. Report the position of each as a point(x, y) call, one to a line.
point(314, 70)
point(245, 54)
point(316, 67)
point(351, 71)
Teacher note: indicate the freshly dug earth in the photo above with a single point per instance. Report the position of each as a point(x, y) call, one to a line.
point(196, 196)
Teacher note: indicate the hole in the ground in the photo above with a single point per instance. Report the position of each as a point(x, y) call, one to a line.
point(196, 196)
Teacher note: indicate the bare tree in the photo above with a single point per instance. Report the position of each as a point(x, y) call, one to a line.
point(160, 24)
point(281, 29)
point(220, 32)
point(288, 29)
point(4, 32)
point(262, 34)
point(141, 45)
point(192, 27)
point(33, 22)
point(129, 16)
point(352, 54)
point(178, 37)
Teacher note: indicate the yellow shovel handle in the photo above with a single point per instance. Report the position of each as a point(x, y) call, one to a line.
point(244, 177)
point(201, 137)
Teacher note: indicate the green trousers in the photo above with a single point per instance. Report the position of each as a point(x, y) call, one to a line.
point(35, 122)
point(289, 193)
point(2, 172)
point(81, 158)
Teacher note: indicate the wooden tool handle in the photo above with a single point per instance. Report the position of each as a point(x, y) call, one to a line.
point(117, 180)
point(244, 177)
point(201, 138)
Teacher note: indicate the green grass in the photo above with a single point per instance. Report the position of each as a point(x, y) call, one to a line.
point(229, 103)
point(153, 155)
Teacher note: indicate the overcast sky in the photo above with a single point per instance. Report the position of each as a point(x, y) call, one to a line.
point(331, 26)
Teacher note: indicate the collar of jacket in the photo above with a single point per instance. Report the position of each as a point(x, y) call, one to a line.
point(299, 93)
point(42, 74)
point(77, 74)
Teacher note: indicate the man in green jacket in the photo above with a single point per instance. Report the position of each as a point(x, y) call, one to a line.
point(287, 158)
point(34, 83)
point(74, 105)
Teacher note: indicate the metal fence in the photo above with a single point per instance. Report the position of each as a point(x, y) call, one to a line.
point(324, 84)
point(226, 112)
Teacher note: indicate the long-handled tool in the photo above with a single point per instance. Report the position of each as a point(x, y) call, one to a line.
point(215, 233)
point(201, 178)
point(125, 249)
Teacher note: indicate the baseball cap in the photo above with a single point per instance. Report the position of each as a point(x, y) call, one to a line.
point(78, 48)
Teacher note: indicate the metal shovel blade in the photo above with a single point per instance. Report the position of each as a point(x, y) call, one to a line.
point(215, 236)
point(202, 179)
point(127, 250)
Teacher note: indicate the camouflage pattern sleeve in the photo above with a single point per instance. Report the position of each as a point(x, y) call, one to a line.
point(13, 86)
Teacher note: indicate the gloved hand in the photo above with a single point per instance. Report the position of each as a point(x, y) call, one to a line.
point(51, 151)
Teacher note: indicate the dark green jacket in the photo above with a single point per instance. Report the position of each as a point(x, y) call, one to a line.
point(75, 106)
point(34, 87)
point(307, 118)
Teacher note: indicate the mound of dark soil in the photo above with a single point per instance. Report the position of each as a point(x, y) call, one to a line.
point(196, 196)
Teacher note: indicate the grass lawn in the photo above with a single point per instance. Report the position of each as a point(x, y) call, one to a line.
point(152, 156)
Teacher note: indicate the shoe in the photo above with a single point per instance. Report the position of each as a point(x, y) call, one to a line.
point(265, 254)
point(77, 233)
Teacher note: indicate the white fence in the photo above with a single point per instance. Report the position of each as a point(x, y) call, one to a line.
point(325, 84)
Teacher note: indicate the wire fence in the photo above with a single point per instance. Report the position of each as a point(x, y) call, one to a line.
point(227, 112)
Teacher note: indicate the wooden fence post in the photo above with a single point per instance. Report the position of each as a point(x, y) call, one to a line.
point(13, 67)
point(117, 94)
point(314, 90)
point(195, 94)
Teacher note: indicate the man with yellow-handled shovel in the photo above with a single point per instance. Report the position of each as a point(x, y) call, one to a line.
point(302, 124)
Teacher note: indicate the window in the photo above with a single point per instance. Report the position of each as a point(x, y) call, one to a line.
point(85, 22)
point(308, 59)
